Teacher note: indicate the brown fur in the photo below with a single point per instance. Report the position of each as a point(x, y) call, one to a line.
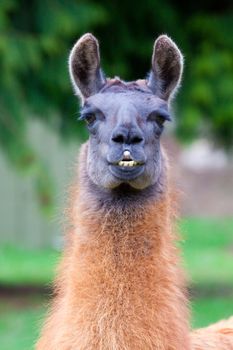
point(120, 286)
point(215, 337)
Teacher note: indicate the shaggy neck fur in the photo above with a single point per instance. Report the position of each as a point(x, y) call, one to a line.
point(120, 286)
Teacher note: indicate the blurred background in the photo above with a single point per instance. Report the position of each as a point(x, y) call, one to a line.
point(40, 138)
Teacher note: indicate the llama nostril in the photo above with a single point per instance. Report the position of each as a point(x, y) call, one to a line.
point(136, 139)
point(125, 136)
point(118, 138)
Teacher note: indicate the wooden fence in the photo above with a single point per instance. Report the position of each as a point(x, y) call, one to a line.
point(21, 220)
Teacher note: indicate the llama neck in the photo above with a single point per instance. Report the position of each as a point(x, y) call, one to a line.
point(123, 272)
point(123, 222)
point(129, 223)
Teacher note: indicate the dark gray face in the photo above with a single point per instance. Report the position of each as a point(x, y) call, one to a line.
point(125, 120)
point(124, 144)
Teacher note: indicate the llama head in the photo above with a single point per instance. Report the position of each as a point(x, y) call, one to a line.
point(125, 119)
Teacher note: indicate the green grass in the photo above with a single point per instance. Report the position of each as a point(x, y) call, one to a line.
point(208, 250)
point(208, 254)
point(22, 266)
point(211, 309)
point(20, 324)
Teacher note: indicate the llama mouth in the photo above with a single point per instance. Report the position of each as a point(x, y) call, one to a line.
point(127, 162)
point(127, 170)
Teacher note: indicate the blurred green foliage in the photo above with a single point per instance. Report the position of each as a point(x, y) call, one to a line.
point(35, 39)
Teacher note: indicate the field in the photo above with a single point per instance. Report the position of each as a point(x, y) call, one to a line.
point(208, 255)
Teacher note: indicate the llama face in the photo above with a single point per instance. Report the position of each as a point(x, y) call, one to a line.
point(125, 127)
point(125, 120)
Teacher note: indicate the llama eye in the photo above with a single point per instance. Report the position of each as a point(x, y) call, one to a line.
point(159, 116)
point(90, 118)
point(160, 120)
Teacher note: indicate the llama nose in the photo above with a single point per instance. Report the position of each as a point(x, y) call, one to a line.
point(127, 136)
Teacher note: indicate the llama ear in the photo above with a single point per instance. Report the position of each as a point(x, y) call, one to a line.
point(84, 66)
point(167, 68)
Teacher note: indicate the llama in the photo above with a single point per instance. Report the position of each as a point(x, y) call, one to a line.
point(120, 285)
